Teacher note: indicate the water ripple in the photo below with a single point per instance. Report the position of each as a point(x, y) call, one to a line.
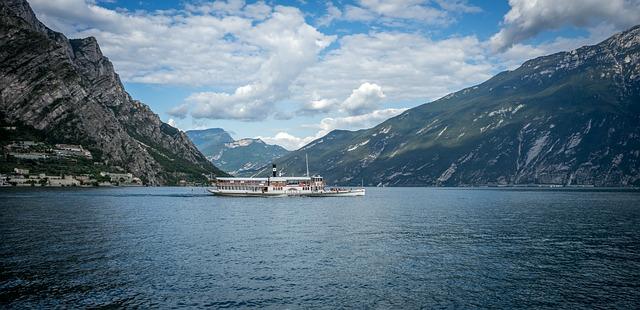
point(394, 248)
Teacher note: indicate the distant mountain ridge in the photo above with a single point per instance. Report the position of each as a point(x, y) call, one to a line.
point(239, 157)
point(571, 118)
point(68, 91)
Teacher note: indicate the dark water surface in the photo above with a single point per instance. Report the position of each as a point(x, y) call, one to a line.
point(394, 248)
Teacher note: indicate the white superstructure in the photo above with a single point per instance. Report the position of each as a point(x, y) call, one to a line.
point(278, 186)
point(273, 186)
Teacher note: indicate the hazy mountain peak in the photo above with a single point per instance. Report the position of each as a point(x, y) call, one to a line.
point(241, 156)
point(244, 142)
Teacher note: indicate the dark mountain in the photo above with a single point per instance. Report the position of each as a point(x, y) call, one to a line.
point(238, 157)
point(69, 92)
point(571, 118)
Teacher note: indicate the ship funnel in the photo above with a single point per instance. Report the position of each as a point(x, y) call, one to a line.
point(274, 170)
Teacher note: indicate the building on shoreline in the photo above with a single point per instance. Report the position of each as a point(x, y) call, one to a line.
point(122, 178)
point(38, 155)
point(30, 150)
point(22, 177)
point(71, 150)
point(30, 155)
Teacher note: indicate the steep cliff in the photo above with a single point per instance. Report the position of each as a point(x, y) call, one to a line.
point(571, 118)
point(68, 90)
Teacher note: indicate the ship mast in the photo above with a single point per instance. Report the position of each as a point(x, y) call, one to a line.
point(306, 158)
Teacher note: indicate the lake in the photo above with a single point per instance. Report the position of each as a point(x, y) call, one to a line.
point(394, 248)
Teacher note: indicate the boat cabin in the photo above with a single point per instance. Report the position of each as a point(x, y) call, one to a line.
point(270, 184)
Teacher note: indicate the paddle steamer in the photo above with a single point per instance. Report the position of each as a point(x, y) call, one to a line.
point(279, 186)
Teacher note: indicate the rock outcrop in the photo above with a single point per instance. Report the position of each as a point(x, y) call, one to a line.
point(70, 91)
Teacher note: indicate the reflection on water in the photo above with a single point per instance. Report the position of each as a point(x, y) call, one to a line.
point(394, 248)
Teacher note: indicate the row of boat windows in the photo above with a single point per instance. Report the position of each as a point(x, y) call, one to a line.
point(253, 188)
point(241, 188)
point(293, 182)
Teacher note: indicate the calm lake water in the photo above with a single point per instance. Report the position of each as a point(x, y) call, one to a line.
point(394, 248)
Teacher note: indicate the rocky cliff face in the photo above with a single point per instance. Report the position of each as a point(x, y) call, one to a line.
point(571, 118)
point(70, 91)
point(242, 157)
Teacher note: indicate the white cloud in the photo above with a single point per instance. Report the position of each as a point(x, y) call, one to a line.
point(528, 18)
point(357, 121)
point(328, 124)
point(257, 11)
point(356, 13)
point(333, 13)
point(459, 6)
point(255, 57)
point(365, 98)
point(398, 12)
point(292, 45)
point(180, 111)
point(244, 104)
point(172, 123)
point(287, 140)
point(410, 67)
point(318, 106)
point(185, 47)
point(253, 52)
point(407, 9)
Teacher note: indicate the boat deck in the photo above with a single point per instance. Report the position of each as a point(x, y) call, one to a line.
point(284, 193)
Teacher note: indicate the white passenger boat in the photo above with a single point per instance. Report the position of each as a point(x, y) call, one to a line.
point(279, 186)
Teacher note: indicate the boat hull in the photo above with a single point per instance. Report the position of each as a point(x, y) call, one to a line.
point(324, 193)
point(342, 193)
point(245, 194)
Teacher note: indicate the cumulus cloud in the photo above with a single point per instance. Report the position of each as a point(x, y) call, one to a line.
point(358, 14)
point(333, 13)
point(408, 66)
point(195, 46)
point(180, 111)
point(527, 18)
point(172, 123)
point(394, 12)
point(244, 104)
point(318, 106)
point(292, 45)
point(406, 9)
point(363, 99)
point(258, 10)
point(459, 6)
point(328, 124)
point(286, 140)
point(254, 50)
point(255, 57)
point(356, 121)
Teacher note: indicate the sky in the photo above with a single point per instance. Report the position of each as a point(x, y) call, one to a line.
point(289, 72)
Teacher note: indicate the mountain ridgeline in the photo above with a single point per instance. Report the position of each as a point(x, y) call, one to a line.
point(69, 92)
point(239, 157)
point(571, 118)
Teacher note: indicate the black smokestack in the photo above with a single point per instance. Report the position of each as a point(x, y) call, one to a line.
point(274, 170)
